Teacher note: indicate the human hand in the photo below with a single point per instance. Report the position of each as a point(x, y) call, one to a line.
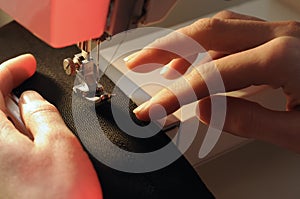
point(246, 51)
point(53, 163)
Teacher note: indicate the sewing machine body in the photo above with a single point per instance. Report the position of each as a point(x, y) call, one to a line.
point(61, 23)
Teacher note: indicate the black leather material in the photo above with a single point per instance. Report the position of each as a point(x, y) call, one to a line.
point(177, 180)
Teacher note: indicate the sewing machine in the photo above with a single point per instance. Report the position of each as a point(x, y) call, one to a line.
point(64, 23)
point(68, 26)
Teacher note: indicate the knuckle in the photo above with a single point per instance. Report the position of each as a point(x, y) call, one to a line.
point(208, 24)
point(63, 135)
point(279, 57)
point(294, 24)
point(247, 123)
point(208, 27)
point(5, 126)
point(43, 109)
point(287, 42)
point(59, 133)
point(292, 28)
point(281, 49)
point(61, 141)
point(45, 112)
point(225, 14)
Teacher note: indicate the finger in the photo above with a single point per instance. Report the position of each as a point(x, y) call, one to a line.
point(177, 67)
point(226, 14)
point(41, 118)
point(212, 55)
point(250, 120)
point(223, 35)
point(233, 72)
point(180, 65)
point(14, 71)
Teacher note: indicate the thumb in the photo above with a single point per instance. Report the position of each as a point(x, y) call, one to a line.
point(248, 119)
point(41, 118)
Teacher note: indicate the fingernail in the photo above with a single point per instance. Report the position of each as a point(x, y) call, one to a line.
point(169, 73)
point(140, 108)
point(30, 96)
point(150, 111)
point(130, 57)
point(164, 70)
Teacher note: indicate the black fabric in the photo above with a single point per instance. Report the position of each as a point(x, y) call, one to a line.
point(174, 181)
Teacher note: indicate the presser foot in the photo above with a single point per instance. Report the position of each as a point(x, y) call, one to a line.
point(98, 95)
point(87, 78)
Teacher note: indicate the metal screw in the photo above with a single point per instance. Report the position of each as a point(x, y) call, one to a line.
point(69, 66)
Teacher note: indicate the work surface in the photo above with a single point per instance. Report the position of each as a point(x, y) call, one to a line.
point(174, 181)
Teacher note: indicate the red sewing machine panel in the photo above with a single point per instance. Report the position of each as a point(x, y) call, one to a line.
point(60, 22)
